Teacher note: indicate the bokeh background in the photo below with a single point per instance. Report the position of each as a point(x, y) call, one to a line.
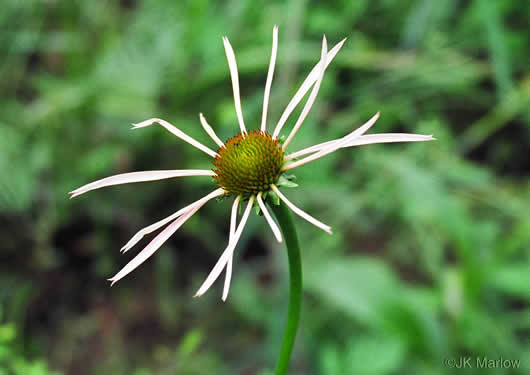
point(430, 256)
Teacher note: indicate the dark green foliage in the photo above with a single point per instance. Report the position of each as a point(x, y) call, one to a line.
point(430, 255)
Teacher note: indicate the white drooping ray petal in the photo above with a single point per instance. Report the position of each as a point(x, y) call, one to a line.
point(359, 131)
point(304, 88)
point(311, 150)
point(159, 224)
point(153, 246)
point(312, 96)
point(301, 213)
point(366, 139)
point(228, 278)
point(158, 241)
point(387, 138)
point(127, 178)
point(177, 132)
point(209, 130)
point(233, 219)
point(270, 74)
point(223, 260)
point(270, 221)
point(232, 65)
point(334, 145)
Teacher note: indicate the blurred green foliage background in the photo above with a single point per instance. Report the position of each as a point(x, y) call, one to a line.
point(430, 256)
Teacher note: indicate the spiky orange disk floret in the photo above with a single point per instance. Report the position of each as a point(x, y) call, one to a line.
point(248, 164)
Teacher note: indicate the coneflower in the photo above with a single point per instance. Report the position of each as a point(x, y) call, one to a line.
point(250, 167)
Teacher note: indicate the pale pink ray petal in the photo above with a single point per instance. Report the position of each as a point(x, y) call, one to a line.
point(329, 144)
point(364, 140)
point(177, 132)
point(233, 218)
point(154, 245)
point(232, 65)
point(311, 150)
point(228, 278)
point(388, 138)
point(334, 145)
point(312, 96)
point(221, 263)
point(301, 213)
point(304, 88)
point(270, 74)
point(361, 130)
point(159, 224)
point(272, 224)
point(209, 130)
point(127, 178)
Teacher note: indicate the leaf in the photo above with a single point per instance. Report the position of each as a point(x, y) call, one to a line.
point(360, 287)
point(376, 355)
point(274, 198)
point(189, 344)
point(513, 280)
point(286, 181)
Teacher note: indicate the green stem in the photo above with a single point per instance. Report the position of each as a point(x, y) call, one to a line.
point(284, 217)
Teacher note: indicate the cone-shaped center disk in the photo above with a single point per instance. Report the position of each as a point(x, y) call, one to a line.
point(248, 164)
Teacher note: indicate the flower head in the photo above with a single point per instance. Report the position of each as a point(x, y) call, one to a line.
point(249, 166)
